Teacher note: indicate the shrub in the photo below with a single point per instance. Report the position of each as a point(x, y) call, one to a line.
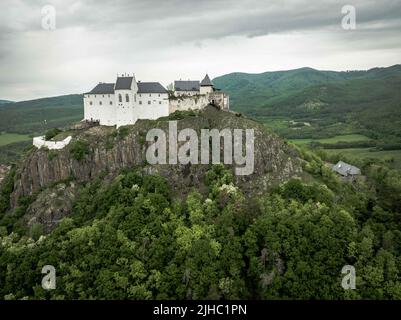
point(51, 133)
point(79, 149)
point(6, 190)
point(109, 145)
point(178, 115)
point(36, 231)
point(123, 132)
point(52, 154)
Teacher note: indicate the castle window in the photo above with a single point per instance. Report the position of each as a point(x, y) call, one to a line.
point(120, 98)
point(111, 102)
point(100, 102)
point(103, 95)
point(140, 102)
point(149, 102)
point(127, 98)
point(90, 102)
point(159, 94)
point(150, 94)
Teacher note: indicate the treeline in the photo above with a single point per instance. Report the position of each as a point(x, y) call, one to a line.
point(131, 239)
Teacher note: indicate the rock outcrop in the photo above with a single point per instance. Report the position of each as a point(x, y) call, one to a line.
point(110, 150)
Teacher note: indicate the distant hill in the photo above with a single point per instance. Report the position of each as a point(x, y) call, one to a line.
point(5, 101)
point(35, 116)
point(369, 100)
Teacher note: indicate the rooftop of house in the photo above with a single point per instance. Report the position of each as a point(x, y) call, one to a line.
point(186, 85)
point(124, 83)
point(346, 169)
point(103, 88)
point(151, 87)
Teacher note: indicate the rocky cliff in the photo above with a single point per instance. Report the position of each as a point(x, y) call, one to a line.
point(107, 150)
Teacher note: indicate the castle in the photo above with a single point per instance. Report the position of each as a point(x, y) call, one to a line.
point(124, 102)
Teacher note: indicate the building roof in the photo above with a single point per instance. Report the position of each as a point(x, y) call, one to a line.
point(151, 87)
point(103, 88)
point(186, 85)
point(123, 83)
point(206, 81)
point(346, 169)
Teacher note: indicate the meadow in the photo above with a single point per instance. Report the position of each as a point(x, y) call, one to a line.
point(392, 158)
point(8, 138)
point(332, 140)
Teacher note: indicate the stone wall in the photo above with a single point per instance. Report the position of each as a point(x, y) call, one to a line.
point(182, 103)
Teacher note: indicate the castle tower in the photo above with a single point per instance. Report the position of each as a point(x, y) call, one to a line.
point(125, 94)
point(206, 86)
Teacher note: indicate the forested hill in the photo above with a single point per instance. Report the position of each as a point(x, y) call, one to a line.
point(262, 89)
point(5, 101)
point(116, 227)
point(34, 116)
point(368, 98)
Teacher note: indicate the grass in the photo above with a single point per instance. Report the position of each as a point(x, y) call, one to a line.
point(393, 157)
point(62, 135)
point(333, 140)
point(8, 138)
point(275, 123)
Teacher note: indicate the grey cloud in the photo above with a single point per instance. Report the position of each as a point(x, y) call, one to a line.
point(140, 32)
point(205, 19)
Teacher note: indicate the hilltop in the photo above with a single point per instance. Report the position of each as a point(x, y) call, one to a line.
point(97, 150)
point(5, 102)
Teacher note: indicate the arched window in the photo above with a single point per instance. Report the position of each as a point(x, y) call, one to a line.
point(127, 98)
point(120, 98)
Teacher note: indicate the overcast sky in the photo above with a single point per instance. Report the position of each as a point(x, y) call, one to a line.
point(166, 40)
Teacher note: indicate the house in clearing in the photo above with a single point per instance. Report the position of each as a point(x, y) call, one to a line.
point(346, 170)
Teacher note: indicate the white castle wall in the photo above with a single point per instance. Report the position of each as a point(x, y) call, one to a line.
point(102, 108)
point(40, 142)
point(152, 105)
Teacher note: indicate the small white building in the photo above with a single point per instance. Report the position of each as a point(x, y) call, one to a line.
point(346, 170)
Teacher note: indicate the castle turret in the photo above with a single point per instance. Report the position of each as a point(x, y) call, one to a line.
point(206, 86)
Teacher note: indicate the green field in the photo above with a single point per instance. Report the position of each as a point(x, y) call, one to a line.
point(8, 138)
point(333, 140)
point(275, 123)
point(392, 157)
